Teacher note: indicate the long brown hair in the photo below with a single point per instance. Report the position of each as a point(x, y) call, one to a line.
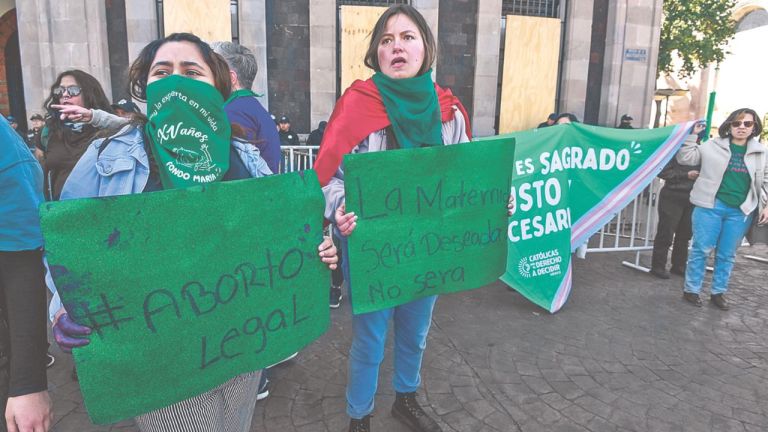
point(91, 93)
point(430, 47)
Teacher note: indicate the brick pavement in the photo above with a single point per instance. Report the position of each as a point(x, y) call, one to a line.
point(625, 354)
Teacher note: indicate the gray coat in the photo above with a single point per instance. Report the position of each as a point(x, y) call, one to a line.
point(713, 156)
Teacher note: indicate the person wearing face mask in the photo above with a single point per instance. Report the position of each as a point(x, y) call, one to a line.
point(79, 109)
point(400, 107)
point(146, 155)
point(732, 184)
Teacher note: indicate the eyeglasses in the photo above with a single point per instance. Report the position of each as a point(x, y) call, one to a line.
point(746, 123)
point(72, 91)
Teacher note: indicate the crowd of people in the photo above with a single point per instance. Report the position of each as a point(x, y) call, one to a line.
point(88, 147)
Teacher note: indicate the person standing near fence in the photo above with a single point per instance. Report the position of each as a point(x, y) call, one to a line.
point(243, 108)
point(399, 107)
point(729, 188)
point(674, 219)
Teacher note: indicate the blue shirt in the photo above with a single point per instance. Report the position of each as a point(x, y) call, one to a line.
point(21, 192)
point(260, 129)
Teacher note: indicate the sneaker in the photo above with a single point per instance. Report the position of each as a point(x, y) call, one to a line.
point(360, 425)
point(659, 273)
point(719, 301)
point(263, 391)
point(335, 297)
point(50, 361)
point(290, 357)
point(408, 411)
point(692, 298)
point(680, 271)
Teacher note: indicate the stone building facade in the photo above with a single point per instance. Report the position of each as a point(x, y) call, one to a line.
point(296, 43)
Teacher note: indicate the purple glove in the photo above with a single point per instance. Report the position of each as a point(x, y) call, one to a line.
point(69, 334)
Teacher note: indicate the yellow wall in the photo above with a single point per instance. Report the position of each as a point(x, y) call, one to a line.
point(356, 25)
point(529, 85)
point(208, 19)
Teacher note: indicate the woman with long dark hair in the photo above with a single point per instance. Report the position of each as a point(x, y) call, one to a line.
point(69, 136)
point(141, 158)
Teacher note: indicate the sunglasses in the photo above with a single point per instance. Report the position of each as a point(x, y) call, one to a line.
point(746, 123)
point(72, 91)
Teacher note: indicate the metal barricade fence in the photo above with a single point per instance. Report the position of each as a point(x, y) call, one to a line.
point(298, 158)
point(632, 229)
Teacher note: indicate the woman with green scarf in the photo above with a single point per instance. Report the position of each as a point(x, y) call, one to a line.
point(400, 107)
point(186, 141)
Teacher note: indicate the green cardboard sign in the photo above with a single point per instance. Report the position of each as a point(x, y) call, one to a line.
point(187, 288)
point(430, 221)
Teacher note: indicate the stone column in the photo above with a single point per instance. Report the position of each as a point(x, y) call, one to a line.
point(632, 51)
point(430, 10)
point(322, 59)
point(486, 67)
point(253, 35)
point(575, 57)
point(140, 24)
point(56, 35)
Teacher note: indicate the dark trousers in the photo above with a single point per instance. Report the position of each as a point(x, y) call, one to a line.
point(674, 229)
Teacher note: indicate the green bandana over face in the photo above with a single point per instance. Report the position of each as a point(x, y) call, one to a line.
point(412, 107)
point(189, 131)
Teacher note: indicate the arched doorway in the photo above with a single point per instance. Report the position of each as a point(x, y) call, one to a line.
point(11, 83)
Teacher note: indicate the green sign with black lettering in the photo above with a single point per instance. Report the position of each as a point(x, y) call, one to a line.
point(430, 221)
point(185, 289)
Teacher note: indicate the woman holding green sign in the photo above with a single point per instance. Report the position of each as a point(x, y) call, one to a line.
point(732, 188)
point(399, 108)
point(187, 141)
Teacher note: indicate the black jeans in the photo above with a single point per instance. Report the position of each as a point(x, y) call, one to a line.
point(674, 229)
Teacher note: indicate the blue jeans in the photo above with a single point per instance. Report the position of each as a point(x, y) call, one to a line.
point(721, 228)
point(369, 335)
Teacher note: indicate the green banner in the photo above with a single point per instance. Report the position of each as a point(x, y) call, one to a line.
point(430, 221)
point(568, 182)
point(187, 288)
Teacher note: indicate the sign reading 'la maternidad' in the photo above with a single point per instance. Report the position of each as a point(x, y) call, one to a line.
point(569, 181)
point(431, 221)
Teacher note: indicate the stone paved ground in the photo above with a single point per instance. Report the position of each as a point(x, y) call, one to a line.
point(625, 354)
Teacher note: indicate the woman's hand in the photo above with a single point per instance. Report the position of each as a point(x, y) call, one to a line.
point(511, 207)
point(69, 334)
point(328, 253)
point(698, 128)
point(29, 413)
point(763, 217)
point(345, 222)
point(74, 113)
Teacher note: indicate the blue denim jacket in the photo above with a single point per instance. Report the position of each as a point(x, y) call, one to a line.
point(122, 168)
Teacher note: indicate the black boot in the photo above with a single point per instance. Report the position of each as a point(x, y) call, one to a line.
point(361, 425)
point(407, 410)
